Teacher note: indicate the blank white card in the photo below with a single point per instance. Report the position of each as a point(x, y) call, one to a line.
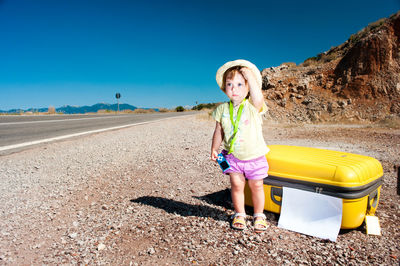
point(311, 213)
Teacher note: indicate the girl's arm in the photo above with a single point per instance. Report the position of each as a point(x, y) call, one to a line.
point(257, 98)
point(216, 141)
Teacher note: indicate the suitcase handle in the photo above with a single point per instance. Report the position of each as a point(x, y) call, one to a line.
point(276, 191)
point(373, 196)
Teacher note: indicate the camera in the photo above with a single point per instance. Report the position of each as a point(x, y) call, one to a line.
point(222, 162)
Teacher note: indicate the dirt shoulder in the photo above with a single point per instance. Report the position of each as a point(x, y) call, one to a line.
point(149, 194)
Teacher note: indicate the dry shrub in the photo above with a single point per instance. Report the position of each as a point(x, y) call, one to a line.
point(312, 61)
point(51, 110)
point(289, 64)
point(205, 114)
point(143, 111)
point(127, 111)
point(104, 111)
point(164, 110)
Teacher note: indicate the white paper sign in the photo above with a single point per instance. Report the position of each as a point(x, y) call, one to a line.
point(311, 213)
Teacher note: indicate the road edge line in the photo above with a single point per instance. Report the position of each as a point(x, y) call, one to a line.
point(35, 142)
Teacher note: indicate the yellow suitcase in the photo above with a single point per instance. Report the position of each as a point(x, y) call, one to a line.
point(357, 179)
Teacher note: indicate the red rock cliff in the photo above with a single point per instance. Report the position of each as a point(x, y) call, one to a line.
point(358, 80)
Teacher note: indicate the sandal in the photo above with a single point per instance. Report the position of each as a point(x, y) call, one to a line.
point(239, 219)
point(260, 224)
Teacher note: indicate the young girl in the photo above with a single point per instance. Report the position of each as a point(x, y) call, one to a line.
point(238, 126)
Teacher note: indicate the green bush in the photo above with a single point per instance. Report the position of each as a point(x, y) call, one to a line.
point(204, 106)
point(179, 109)
point(354, 38)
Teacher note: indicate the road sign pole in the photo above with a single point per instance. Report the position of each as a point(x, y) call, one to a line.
point(118, 95)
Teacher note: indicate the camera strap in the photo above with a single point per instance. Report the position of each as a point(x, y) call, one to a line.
point(235, 123)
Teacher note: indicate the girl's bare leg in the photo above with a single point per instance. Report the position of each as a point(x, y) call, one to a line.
point(257, 195)
point(237, 191)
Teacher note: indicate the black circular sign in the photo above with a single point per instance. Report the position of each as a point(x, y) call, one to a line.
point(118, 95)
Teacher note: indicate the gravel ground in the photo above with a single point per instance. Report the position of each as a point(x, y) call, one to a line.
point(150, 194)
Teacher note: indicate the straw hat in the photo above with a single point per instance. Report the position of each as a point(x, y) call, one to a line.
point(240, 62)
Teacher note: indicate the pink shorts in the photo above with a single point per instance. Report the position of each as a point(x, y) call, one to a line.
point(252, 169)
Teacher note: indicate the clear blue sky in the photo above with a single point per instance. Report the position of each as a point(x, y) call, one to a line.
point(158, 53)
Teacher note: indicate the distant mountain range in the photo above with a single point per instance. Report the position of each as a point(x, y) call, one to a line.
point(67, 109)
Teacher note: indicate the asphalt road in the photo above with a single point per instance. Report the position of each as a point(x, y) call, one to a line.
point(21, 132)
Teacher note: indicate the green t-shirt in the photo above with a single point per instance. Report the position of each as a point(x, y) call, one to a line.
point(250, 142)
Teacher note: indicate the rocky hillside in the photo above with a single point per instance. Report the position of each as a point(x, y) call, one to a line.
point(356, 81)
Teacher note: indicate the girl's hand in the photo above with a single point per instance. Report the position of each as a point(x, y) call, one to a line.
point(256, 96)
point(214, 156)
point(247, 74)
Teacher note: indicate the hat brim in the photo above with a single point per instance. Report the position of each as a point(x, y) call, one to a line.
point(240, 62)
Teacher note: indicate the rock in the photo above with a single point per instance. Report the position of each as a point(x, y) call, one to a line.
point(151, 251)
point(342, 104)
point(101, 247)
point(307, 101)
point(282, 103)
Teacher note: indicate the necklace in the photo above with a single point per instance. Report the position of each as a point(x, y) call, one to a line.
point(235, 123)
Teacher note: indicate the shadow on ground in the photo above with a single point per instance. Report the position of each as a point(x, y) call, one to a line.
point(223, 198)
point(220, 198)
point(182, 208)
